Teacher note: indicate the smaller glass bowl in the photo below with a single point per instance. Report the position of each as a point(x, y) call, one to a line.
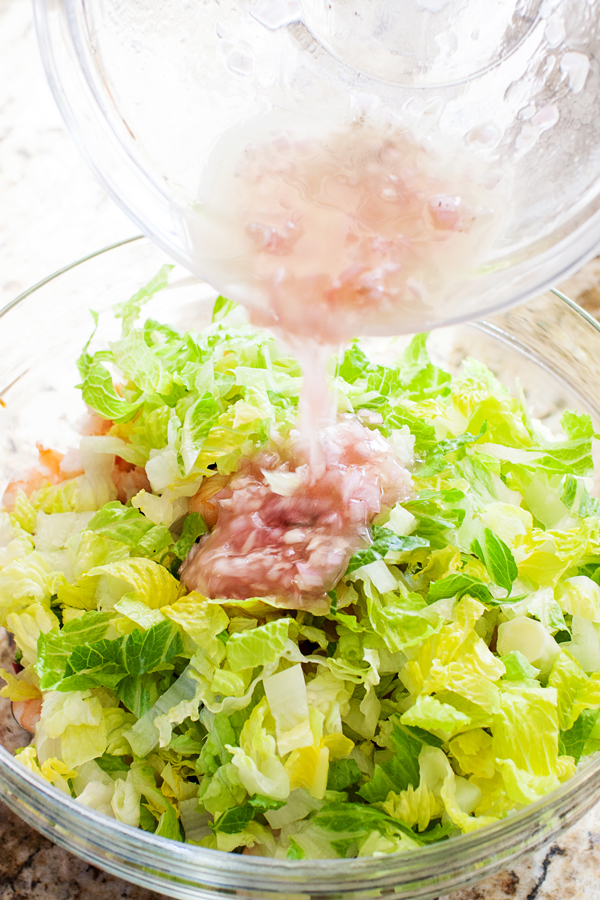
point(550, 345)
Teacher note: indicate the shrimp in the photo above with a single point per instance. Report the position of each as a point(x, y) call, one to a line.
point(27, 713)
point(48, 472)
point(30, 481)
point(50, 459)
point(129, 480)
point(203, 501)
point(93, 425)
point(53, 468)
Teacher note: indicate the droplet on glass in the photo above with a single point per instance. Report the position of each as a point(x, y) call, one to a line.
point(576, 66)
point(554, 32)
point(486, 134)
point(240, 63)
point(546, 117)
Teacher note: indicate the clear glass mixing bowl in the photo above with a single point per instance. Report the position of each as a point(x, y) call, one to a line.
point(149, 89)
point(550, 345)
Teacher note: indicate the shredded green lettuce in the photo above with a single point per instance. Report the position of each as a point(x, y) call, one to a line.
point(450, 678)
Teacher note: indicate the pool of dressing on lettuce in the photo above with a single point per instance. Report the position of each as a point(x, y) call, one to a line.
point(325, 233)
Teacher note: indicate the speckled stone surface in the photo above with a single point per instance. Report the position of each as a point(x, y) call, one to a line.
point(51, 213)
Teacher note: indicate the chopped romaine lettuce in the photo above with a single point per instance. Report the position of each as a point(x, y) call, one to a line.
point(451, 677)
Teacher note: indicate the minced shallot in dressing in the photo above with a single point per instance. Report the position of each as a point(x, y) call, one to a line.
point(286, 531)
point(327, 231)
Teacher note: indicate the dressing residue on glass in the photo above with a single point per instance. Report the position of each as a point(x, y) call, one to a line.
point(325, 232)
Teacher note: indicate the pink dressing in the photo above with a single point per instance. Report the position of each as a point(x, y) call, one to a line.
point(327, 231)
point(286, 532)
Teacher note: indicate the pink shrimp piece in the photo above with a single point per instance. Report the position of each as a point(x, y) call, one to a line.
point(27, 713)
point(204, 501)
point(93, 425)
point(30, 481)
point(129, 480)
point(50, 459)
point(49, 471)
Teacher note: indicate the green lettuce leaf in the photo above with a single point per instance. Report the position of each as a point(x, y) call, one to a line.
point(198, 421)
point(357, 819)
point(354, 364)
point(144, 734)
point(436, 461)
point(103, 663)
point(518, 667)
point(140, 692)
point(424, 433)
point(438, 514)
point(234, 820)
point(343, 774)
point(384, 542)
point(401, 620)
point(397, 773)
point(140, 365)
point(222, 308)
point(129, 311)
point(152, 583)
point(98, 391)
point(55, 647)
point(129, 526)
point(257, 646)
point(497, 558)
point(193, 527)
point(457, 585)
point(576, 741)
point(260, 769)
point(526, 729)
point(420, 378)
point(440, 719)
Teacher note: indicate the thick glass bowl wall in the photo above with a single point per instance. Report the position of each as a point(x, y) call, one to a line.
point(550, 345)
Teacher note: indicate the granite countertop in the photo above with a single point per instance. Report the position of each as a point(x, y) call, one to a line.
point(52, 212)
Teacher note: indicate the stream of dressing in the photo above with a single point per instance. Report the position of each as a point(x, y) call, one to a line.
point(326, 232)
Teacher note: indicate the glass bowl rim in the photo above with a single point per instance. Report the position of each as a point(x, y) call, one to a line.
point(244, 865)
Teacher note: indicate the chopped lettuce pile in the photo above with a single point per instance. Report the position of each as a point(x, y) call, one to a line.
point(454, 678)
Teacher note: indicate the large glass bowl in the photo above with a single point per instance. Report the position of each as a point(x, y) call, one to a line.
point(152, 92)
point(550, 345)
